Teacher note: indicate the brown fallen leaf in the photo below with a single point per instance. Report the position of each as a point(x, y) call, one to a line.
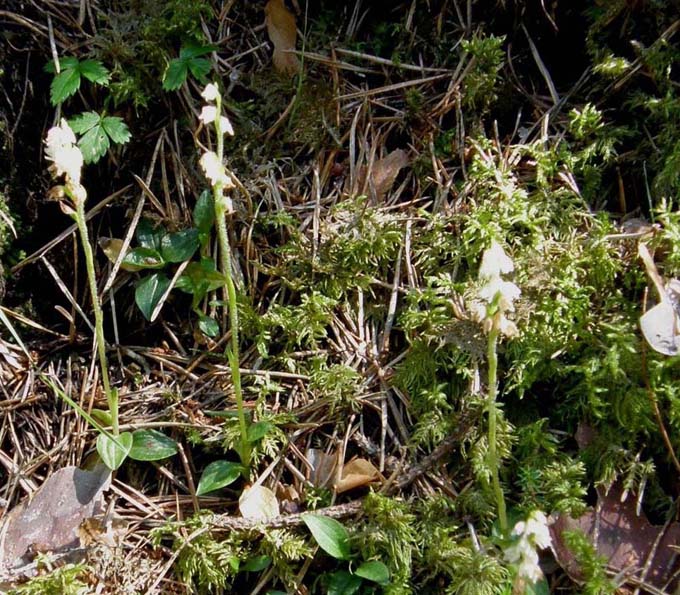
point(383, 173)
point(50, 520)
point(624, 538)
point(355, 474)
point(283, 33)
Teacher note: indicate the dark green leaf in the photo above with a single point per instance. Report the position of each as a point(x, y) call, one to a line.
point(257, 564)
point(179, 246)
point(259, 430)
point(218, 475)
point(374, 571)
point(114, 452)
point(149, 292)
point(64, 64)
point(116, 129)
point(94, 144)
point(199, 68)
point(193, 51)
point(149, 236)
point(81, 123)
point(343, 583)
point(145, 258)
point(331, 536)
point(204, 212)
point(175, 74)
point(94, 71)
point(65, 84)
point(151, 445)
point(208, 326)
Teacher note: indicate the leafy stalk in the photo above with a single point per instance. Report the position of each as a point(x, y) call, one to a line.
point(492, 355)
point(111, 396)
point(221, 212)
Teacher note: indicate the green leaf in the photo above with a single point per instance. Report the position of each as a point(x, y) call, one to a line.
point(257, 564)
point(179, 246)
point(204, 212)
point(175, 74)
point(149, 236)
point(94, 144)
point(114, 452)
point(116, 129)
point(64, 64)
point(343, 583)
point(65, 84)
point(149, 293)
point(151, 445)
point(218, 475)
point(188, 52)
point(208, 325)
point(94, 71)
point(102, 415)
point(258, 430)
point(145, 258)
point(374, 571)
point(331, 536)
point(199, 68)
point(81, 123)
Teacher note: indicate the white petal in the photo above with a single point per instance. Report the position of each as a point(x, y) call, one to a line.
point(225, 126)
point(208, 114)
point(210, 92)
point(494, 262)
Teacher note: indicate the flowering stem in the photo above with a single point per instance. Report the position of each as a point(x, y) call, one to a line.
point(221, 212)
point(111, 396)
point(492, 355)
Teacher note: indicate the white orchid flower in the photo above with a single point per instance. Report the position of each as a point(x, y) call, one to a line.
point(210, 93)
point(214, 170)
point(62, 151)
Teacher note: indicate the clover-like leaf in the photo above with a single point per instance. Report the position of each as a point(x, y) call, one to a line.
point(189, 61)
point(67, 81)
point(97, 133)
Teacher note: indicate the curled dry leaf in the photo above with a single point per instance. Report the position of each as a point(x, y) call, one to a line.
point(50, 520)
point(624, 538)
point(258, 503)
point(355, 474)
point(283, 33)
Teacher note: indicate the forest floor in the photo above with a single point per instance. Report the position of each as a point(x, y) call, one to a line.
point(433, 349)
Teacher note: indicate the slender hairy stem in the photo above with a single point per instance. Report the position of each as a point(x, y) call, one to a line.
point(111, 396)
point(492, 356)
point(221, 212)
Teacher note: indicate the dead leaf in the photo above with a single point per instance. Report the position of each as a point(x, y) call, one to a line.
point(50, 519)
point(283, 33)
point(322, 467)
point(383, 173)
point(112, 247)
point(625, 539)
point(258, 503)
point(355, 474)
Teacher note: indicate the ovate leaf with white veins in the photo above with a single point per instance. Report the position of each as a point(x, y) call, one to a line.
point(97, 133)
